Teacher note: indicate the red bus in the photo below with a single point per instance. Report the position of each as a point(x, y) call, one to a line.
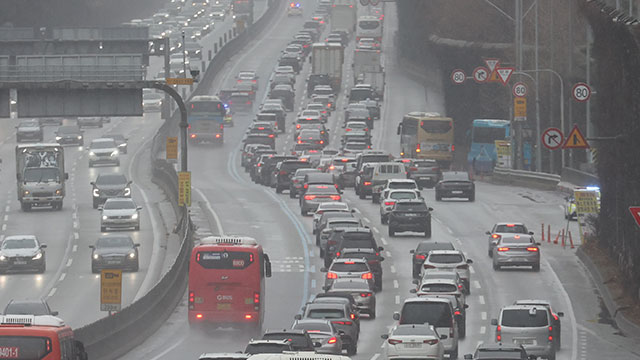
point(38, 337)
point(226, 282)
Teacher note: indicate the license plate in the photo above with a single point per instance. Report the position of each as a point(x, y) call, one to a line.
point(457, 192)
point(113, 262)
point(224, 307)
point(523, 341)
point(412, 345)
point(411, 214)
point(20, 262)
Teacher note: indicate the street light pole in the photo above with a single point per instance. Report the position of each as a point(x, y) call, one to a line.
point(538, 144)
point(184, 56)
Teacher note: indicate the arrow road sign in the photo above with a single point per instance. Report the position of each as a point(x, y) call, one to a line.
point(581, 92)
point(492, 64)
point(458, 76)
point(505, 74)
point(480, 74)
point(519, 89)
point(552, 138)
point(635, 211)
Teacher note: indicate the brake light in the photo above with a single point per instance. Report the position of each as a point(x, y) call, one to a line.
point(352, 316)
point(335, 197)
point(413, 169)
point(217, 136)
point(555, 317)
point(431, 342)
point(394, 341)
point(248, 316)
point(349, 262)
point(309, 197)
point(338, 322)
point(503, 249)
point(333, 340)
point(453, 147)
point(192, 299)
point(297, 126)
point(305, 186)
point(199, 316)
point(532, 249)
point(418, 148)
point(282, 172)
point(367, 276)
point(271, 135)
point(332, 275)
point(511, 225)
point(193, 136)
point(367, 183)
point(495, 236)
point(457, 312)
point(498, 333)
point(256, 298)
point(389, 203)
point(550, 333)
point(463, 266)
point(420, 257)
point(365, 294)
point(338, 254)
point(348, 129)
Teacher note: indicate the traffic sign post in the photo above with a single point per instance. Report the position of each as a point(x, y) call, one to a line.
point(480, 74)
point(492, 64)
point(172, 148)
point(587, 203)
point(458, 76)
point(505, 74)
point(110, 290)
point(519, 89)
point(520, 109)
point(552, 138)
point(184, 188)
point(575, 140)
point(635, 212)
point(581, 92)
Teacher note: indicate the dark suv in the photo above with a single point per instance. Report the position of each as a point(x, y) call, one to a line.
point(373, 258)
point(268, 164)
point(285, 170)
point(422, 250)
point(108, 186)
point(349, 238)
point(410, 215)
point(363, 181)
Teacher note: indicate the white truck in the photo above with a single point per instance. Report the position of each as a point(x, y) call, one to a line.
point(328, 58)
point(40, 175)
point(368, 69)
point(344, 16)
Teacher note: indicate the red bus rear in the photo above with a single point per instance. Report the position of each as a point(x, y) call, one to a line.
point(226, 282)
point(41, 337)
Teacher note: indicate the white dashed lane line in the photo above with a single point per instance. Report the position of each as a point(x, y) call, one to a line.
point(53, 291)
point(69, 262)
point(476, 284)
point(4, 227)
point(62, 276)
point(367, 220)
point(75, 248)
point(483, 315)
point(393, 269)
point(483, 330)
point(397, 299)
point(375, 230)
point(384, 241)
point(481, 299)
point(388, 253)
point(396, 284)
point(6, 217)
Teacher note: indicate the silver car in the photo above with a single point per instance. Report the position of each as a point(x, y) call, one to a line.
point(316, 195)
point(328, 207)
point(22, 252)
point(119, 213)
point(347, 268)
point(450, 260)
point(361, 291)
point(103, 151)
point(516, 250)
point(440, 274)
point(388, 199)
point(502, 229)
point(326, 338)
point(414, 341)
point(528, 325)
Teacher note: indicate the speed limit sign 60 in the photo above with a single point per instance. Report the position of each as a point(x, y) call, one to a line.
point(581, 92)
point(519, 89)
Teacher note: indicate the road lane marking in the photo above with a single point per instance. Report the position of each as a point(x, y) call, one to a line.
point(75, 248)
point(483, 329)
point(375, 356)
point(62, 276)
point(213, 213)
point(375, 230)
point(313, 269)
point(313, 283)
point(384, 241)
point(397, 299)
point(396, 284)
point(53, 291)
point(393, 269)
point(367, 220)
point(388, 253)
point(483, 315)
point(76, 235)
point(7, 208)
point(471, 270)
point(476, 284)
point(69, 262)
point(4, 227)
point(6, 217)
point(481, 299)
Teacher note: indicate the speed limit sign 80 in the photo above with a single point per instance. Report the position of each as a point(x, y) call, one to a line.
point(458, 76)
point(581, 92)
point(519, 89)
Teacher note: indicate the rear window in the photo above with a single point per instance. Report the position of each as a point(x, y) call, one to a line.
point(288, 166)
point(436, 126)
point(344, 267)
point(389, 169)
point(514, 229)
point(266, 348)
point(425, 164)
point(23, 347)
point(375, 158)
point(350, 285)
point(437, 314)
point(403, 195)
point(337, 224)
point(402, 185)
point(517, 240)
point(313, 326)
point(230, 260)
point(438, 288)
point(426, 247)
point(500, 354)
point(445, 258)
point(451, 176)
point(524, 318)
point(296, 340)
point(411, 207)
point(326, 314)
point(322, 189)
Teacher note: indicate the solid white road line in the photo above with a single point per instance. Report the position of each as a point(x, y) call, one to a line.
point(216, 218)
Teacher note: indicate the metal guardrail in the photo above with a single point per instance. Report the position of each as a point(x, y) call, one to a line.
point(526, 178)
point(26, 73)
point(579, 178)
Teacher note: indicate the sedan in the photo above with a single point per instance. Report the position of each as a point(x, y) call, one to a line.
point(415, 341)
point(28, 307)
point(505, 229)
point(516, 250)
point(328, 207)
point(94, 121)
point(152, 101)
point(455, 184)
point(347, 268)
point(388, 199)
point(70, 135)
point(114, 252)
point(103, 151)
point(121, 213)
point(450, 260)
point(342, 317)
point(326, 338)
point(29, 130)
point(316, 195)
point(22, 252)
point(121, 142)
point(422, 250)
point(108, 186)
point(361, 291)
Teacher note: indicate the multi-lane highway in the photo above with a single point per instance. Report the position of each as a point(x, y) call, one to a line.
point(227, 202)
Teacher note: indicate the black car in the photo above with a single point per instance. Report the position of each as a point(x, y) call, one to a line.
point(109, 185)
point(269, 163)
point(114, 252)
point(298, 339)
point(29, 130)
point(410, 215)
point(355, 237)
point(121, 142)
point(28, 307)
point(290, 60)
point(455, 184)
point(498, 351)
point(315, 80)
point(285, 170)
point(70, 135)
point(363, 181)
point(279, 112)
point(373, 259)
point(264, 139)
point(422, 250)
point(286, 94)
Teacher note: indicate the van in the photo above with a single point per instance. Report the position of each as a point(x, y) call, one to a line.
point(528, 325)
point(437, 312)
point(381, 173)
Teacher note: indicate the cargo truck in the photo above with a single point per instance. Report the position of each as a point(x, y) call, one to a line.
point(328, 58)
point(344, 16)
point(40, 175)
point(368, 69)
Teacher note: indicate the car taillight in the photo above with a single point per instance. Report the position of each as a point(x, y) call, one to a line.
point(199, 316)
point(333, 340)
point(353, 317)
point(420, 257)
point(394, 341)
point(332, 275)
point(389, 203)
point(431, 341)
point(348, 129)
point(453, 147)
point(309, 197)
point(365, 294)
point(503, 249)
point(367, 183)
point(248, 316)
point(418, 148)
point(306, 186)
point(555, 317)
point(339, 322)
point(192, 300)
point(498, 333)
point(256, 298)
point(463, 266)
point(495, 236)
point(335, 197)
point(367, 276)
point(297, 126)
point(217, 136)
point(533, 249)
point(338, 254)
point(193, 136)
point(457, 312)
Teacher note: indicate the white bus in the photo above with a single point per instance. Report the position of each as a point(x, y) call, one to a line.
point(369, 27)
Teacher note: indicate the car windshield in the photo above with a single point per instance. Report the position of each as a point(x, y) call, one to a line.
point(41, 175)
point(326, 314)
point(524, 318)
point(445, 258)
point(438, 288)
point(119, 204)
point(455, 176)
point(315, 327)
point(111, 179)
point(30, 123)
point(349, 266)
point(437, 314)
point(120, 241)
point(27, 308)
point(19, 244)
point(415, 207)
point(103, 144)
point(403, 195)
point(511, 228)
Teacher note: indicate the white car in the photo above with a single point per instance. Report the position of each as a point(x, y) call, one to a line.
point(389, 197)
point(294, 9)
point(414, 341)
point(328, 206)
point(103, 151)
point(451, 260)
point(119, 213)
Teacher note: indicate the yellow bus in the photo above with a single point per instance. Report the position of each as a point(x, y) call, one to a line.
point(426, 135)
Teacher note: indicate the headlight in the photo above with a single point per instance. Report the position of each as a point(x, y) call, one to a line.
point(27, 192)
point(91, 153)
point(58, 192)
point(122, 145)
point(3, 258)
point(127, 191)
point(58, 138)
point(104, 217)
point(114, 153)
point(96, 192)
point(96, 256)
point(37, 256)
point(79, 137)
point(132, 255)
point(134, 216)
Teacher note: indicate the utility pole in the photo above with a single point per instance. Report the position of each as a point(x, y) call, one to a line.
point(538, 130)
point(590, 128)
point(516, 126)
point(184, 56)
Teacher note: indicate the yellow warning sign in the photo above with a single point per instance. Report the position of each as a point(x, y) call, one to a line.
point(172, 148)
point(179, 81)
point(576, 140)
point(587, 201)
point(184, 188)
point(110, 290)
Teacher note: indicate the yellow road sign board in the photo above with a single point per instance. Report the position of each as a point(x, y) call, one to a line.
point(172, 148)
point(503, 147)
point(110, 290)
point(184, 188)
point(586, 201)
point(520, 109)
point(179, 81)
point(576, 140)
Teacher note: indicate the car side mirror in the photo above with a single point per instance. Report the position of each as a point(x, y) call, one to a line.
point(469, 261)
point(54, 313)
point(92, 183)
point(412, 251)
point(323, 269)
point(298, 317)
point(530, 232)
point(468, 357)
point(130, 182)
point(353, 211)
point(488, 232)
point(396, 316)
point(415, 281)
point(66, 176)
point(430, 209)
point(136, 245)
point(43, 246)
point(413, 291)
point(91, 247)
point(443, 337)
point(560, 314)
point(139, 208)
point(100, 208)
point(538, 244)
point(384, 336)
point(466, 306)
point(494, 322)
point(380, 248)
point(325, 288)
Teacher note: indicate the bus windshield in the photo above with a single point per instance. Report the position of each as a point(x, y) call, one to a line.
point(436, 126)
point(231, 260)
point(369, 24)
point(487, 135)
point(409, 127)
point(206, 107)
point(24, 347)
